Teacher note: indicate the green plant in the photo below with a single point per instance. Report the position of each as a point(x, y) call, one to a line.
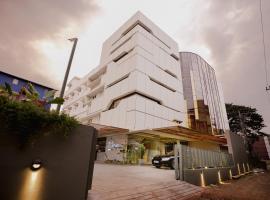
point(28, 120)
point(6, 90)
point(141, 150)
point(30, 94)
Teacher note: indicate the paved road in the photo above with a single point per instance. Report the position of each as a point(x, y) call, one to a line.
point(121, 182)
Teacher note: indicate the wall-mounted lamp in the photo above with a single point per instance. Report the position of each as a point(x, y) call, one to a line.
point(36, 164)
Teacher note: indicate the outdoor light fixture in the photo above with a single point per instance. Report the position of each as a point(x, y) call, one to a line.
point(36, 164)
point(230, 172)
point(219, 178)
point(248, 167)
point(202, 179)
point(238, 168)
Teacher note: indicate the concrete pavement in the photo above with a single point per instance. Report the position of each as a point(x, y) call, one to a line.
point(123, 182)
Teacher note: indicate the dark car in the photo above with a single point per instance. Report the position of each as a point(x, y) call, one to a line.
point(164, 160)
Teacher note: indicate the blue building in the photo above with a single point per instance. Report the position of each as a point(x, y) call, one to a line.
point(17, 83)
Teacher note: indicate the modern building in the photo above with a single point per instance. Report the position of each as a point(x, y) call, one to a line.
point(16, 82)
point(135, 96)
point(137, 84)
point(203, 94)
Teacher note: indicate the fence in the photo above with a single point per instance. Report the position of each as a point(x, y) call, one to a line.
point(199, 158)
point(202, 167)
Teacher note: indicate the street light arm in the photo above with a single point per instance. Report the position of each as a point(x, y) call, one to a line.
point(74, 40)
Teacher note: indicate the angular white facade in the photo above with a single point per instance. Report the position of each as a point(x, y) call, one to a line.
point(137, 84)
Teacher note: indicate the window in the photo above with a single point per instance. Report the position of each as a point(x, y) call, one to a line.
point(122, 55)
point(134, 25)
point(163, 85)
point(117, 81)
point(116, 101)
point(15, 81)
point(101, 144)
point(170, 73)
point(174, 56)
point(124, 42)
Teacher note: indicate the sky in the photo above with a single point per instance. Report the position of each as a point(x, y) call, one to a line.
point(227, 34)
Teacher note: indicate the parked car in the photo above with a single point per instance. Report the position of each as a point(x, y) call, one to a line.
point(164, 160)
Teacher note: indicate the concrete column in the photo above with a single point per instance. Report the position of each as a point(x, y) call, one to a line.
point(178, 158)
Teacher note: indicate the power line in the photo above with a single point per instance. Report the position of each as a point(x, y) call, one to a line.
point(264, 51)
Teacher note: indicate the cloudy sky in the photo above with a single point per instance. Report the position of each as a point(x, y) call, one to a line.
point(34, 33)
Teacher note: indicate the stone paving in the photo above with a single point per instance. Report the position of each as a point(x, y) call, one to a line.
point(117, 182)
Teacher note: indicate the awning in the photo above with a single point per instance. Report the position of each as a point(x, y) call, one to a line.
point(180, 133)
point(169, 133)
point(104, 130)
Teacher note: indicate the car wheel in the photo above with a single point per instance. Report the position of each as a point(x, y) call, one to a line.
point(157, 166)
point(172, 164)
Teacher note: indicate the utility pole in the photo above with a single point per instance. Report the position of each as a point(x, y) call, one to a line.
point(74, 40)
point(242, 122)
point(244, 132)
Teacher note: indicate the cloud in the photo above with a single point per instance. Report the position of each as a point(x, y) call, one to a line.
point(231, 30)
point(24, 23)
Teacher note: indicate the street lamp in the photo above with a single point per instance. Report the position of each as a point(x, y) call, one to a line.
point(74, 40)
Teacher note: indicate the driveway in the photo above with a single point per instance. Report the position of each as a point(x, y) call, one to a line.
point(137, 182)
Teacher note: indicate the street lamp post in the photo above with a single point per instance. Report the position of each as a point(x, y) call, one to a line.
point(74, 40)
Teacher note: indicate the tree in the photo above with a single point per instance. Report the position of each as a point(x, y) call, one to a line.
point(245, 119)
point(249, 122)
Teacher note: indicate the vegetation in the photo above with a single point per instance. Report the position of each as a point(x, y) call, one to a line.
point(25, 114)
point(30, 94)
point(135, 152)
point(245, 119)
point(141, 150)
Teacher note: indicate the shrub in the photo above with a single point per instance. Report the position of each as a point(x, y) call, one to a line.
point(28, 120)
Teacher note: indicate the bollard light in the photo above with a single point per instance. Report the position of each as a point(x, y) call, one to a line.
point(230, 173)
point(202, 179)
point(219, 178)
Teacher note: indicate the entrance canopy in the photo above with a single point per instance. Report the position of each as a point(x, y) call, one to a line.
point(173, 133)
point(104, 130)
point(168, 134)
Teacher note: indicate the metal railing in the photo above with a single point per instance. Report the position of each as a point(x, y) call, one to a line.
point(199, 158)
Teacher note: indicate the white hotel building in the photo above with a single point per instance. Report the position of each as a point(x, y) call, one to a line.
point(137, 84)
point(135, 96)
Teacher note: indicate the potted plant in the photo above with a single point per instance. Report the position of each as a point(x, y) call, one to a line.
point(141, 151)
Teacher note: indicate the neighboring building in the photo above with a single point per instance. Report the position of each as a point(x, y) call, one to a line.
point(205, 103)
point(137, 84)
point(261, 148)
point(17, 82)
